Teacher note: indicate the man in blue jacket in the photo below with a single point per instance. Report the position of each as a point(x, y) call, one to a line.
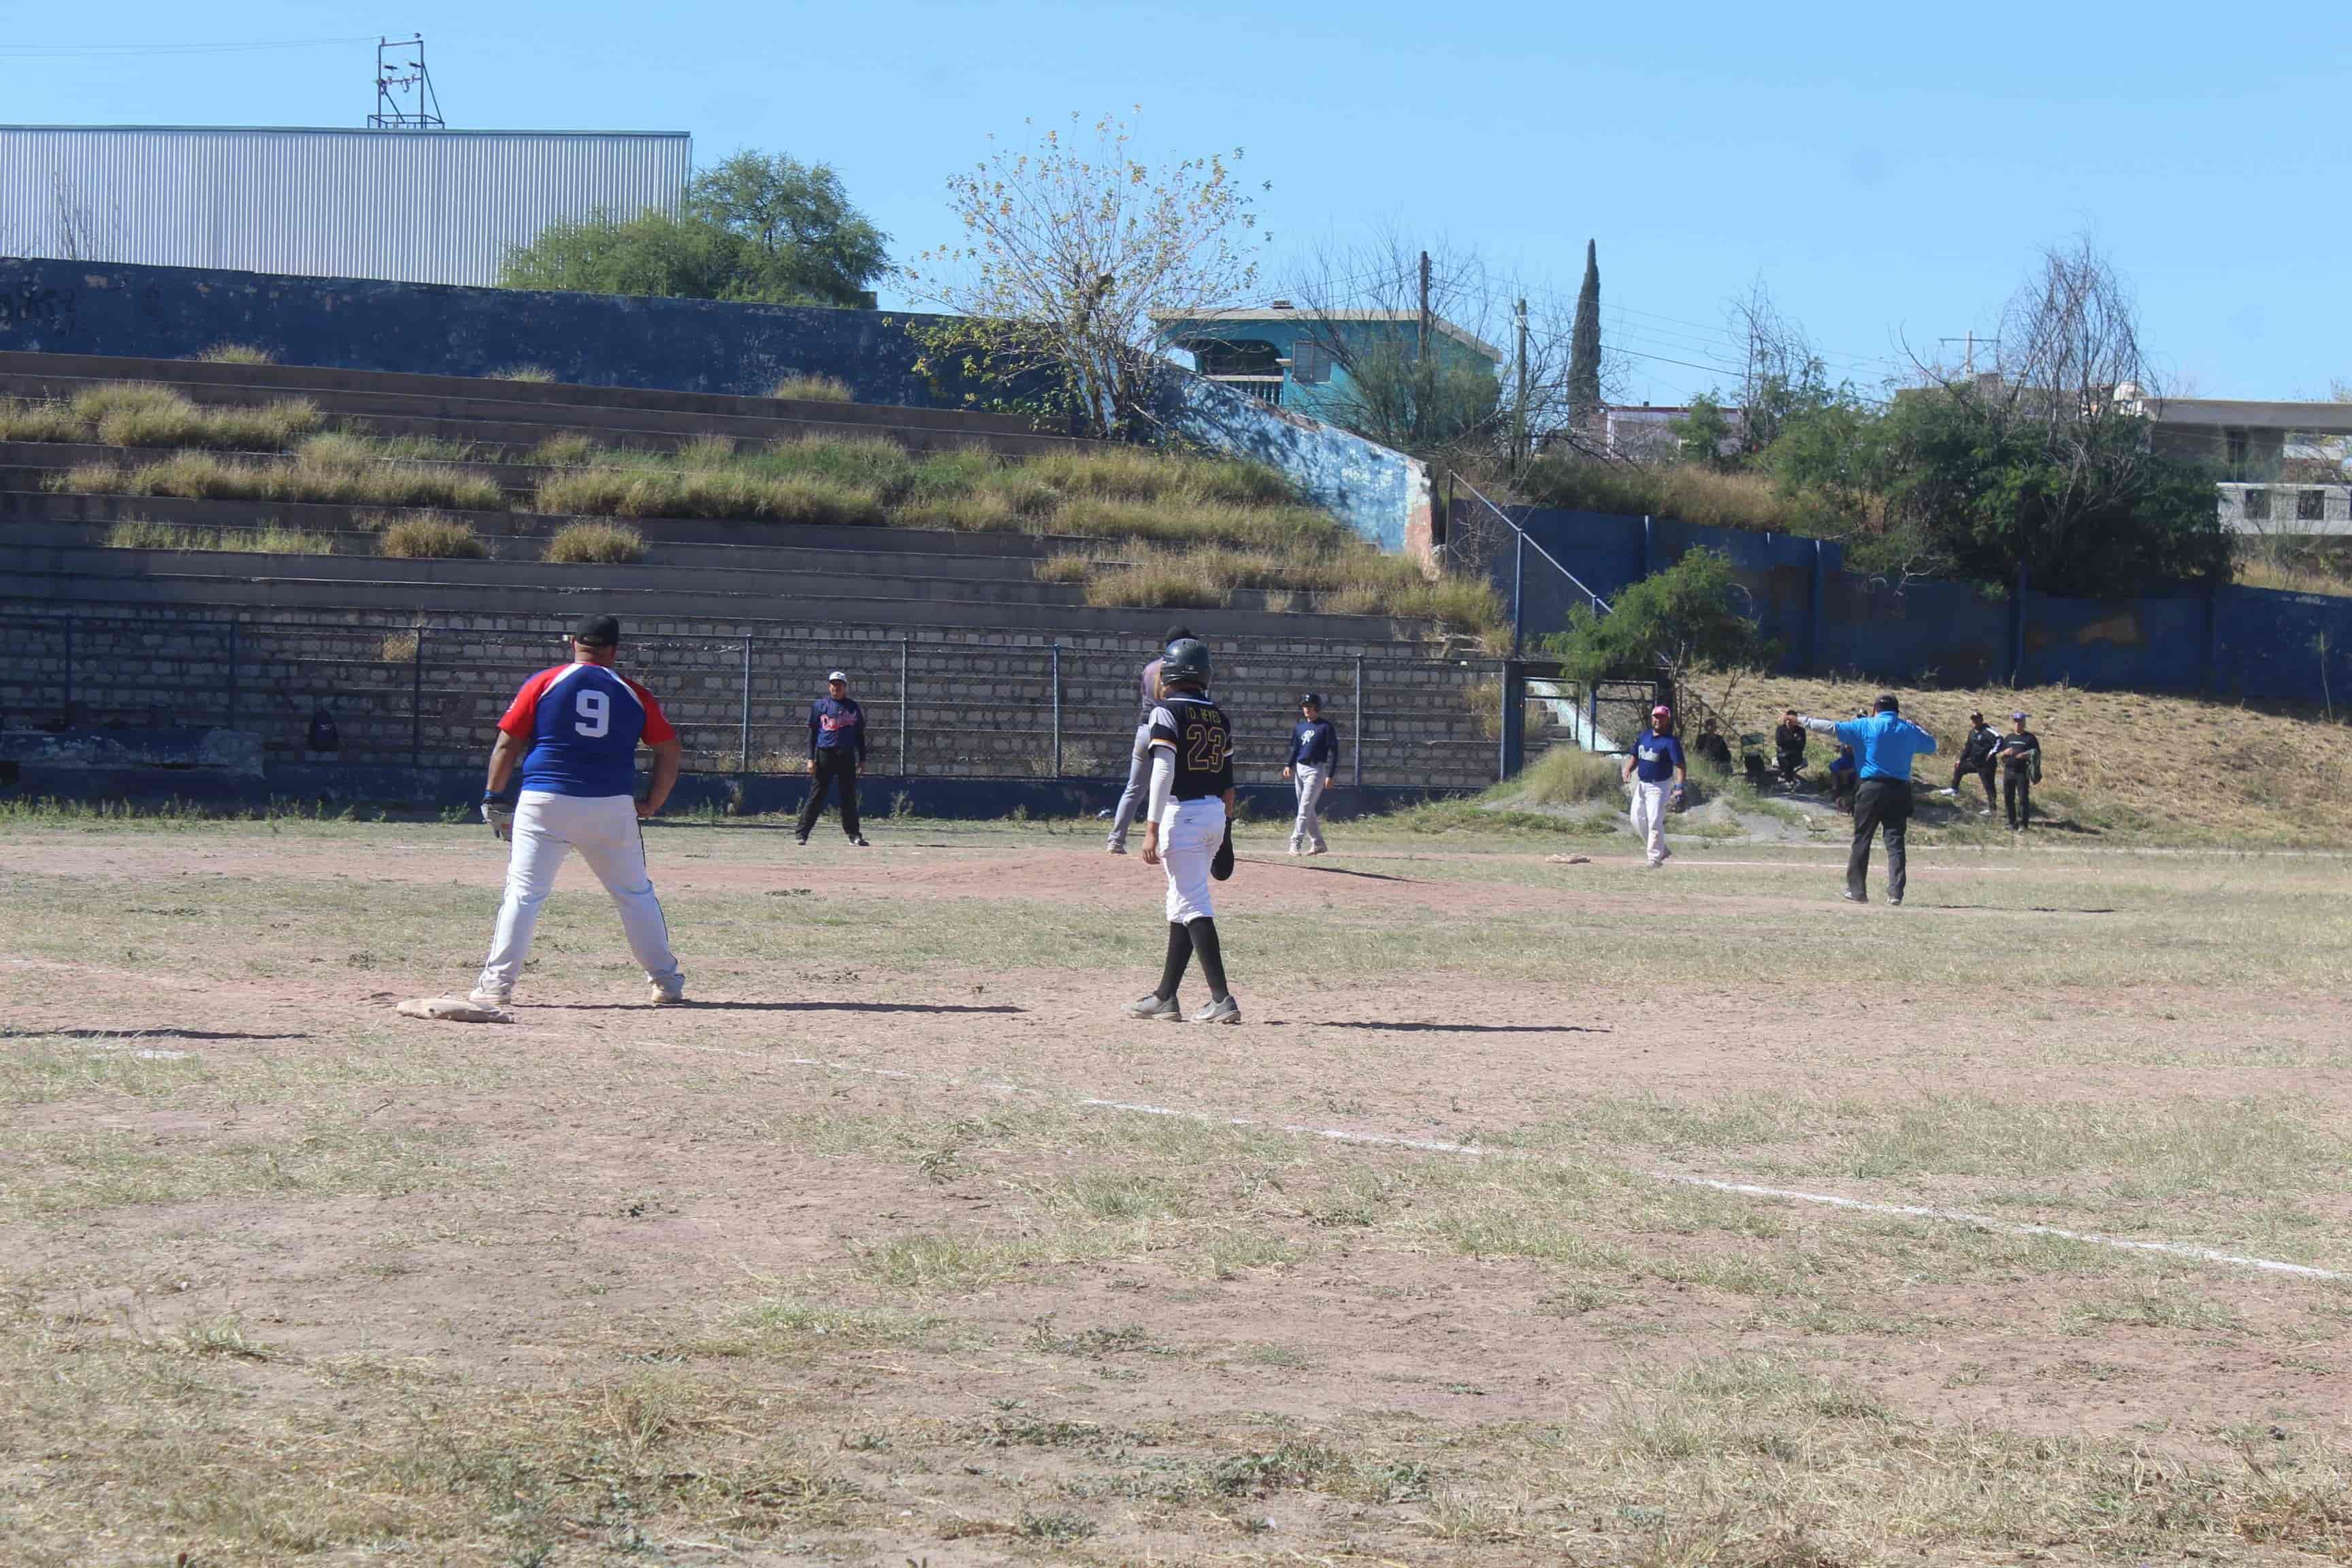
point(1314, 751)
point(837, 751)
point(1884, 743)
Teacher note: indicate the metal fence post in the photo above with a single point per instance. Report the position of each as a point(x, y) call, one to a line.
point(1359, 727)
point(68, 713)
point(232, 675)
point(1057, 709)
point(1518, 590)
point(902, 706)
point(743, 736)
point(416, 701)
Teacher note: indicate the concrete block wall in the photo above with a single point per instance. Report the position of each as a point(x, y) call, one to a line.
point(977, 704)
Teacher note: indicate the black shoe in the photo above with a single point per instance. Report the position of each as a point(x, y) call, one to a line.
point(859, 839)
point(800, 839)
point(1851, 897)
point(1896, 903)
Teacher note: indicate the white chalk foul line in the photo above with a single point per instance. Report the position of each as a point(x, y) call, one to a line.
point(1439, 1146)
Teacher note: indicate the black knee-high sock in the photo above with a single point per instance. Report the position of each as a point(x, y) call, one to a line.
point(1179, 953)
point(1212, 955)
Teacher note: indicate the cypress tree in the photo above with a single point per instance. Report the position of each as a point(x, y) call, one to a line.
point(1584, 344)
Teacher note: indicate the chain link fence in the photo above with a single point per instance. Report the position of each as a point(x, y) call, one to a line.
point(428, 695)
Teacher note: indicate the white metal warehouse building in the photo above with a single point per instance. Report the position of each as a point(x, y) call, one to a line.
point(415, 206)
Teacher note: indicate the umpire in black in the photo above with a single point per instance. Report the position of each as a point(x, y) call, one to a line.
point(836, 728)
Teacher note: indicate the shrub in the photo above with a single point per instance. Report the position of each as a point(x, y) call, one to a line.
point(429, 536)
point(237, 353)
point(602, 544)
point(347, 448)
point(1066, 567)
point(1567, 775)
point(813, 389)
point(537, 375)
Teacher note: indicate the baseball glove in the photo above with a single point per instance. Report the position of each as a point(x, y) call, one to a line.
point(1221, 867)
point(499, 815)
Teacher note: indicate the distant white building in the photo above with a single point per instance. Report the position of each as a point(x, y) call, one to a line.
point(1638, 431)
point(2281, 468)
point(411, 206)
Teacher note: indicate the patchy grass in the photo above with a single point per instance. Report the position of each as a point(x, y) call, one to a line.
point(237, 353)
point(2120, 765)
point(23, 419)
point(1566, 775)
point(428, 537)
point(708, 493)
point(538, 376)
point(811, 389)
point(267, 539)
point(201, 475)
point(594, 543)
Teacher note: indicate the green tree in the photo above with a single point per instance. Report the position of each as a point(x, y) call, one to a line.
point(1584, 342)
point(1670, 621)
point(802, 239)
point(756, 227)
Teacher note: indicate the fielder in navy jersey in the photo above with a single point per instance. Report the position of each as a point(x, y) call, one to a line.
point(575, 731)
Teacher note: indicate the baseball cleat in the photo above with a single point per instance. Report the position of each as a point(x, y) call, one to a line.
point(666, 993)
point(490, 997)
point(1851, 897)
point(1318, 849)
point(1114, 848)
point(1224, 1010)
point(860, 842)
point(1155, 1007)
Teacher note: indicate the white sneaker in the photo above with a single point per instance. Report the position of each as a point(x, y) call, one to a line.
point(666, 993)
point(1114, 848)
point(1318, 849)
point(491, 996)
point(1155, 1007)
point(1225, 1011)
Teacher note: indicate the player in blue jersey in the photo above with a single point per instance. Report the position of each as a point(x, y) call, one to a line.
point(1191, 797)
point(575, 731)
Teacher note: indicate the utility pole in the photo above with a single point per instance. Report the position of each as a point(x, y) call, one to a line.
point(1420, 343)
point(1969, 350)
point(1519, 400)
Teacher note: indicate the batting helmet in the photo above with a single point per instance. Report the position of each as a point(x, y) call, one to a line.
point(1187, 658)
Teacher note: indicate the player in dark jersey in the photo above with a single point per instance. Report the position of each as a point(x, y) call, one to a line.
point(1192, 795)
point(575, 729)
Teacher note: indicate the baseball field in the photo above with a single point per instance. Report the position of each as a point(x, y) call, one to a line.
point(1542, 1211)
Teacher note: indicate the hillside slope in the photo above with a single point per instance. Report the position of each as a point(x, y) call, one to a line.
point(2119, 764)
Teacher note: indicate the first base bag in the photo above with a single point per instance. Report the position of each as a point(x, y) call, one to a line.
point(1221, 867)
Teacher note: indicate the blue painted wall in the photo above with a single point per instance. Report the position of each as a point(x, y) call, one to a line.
point(2250, 643)
point(605, 340)
point(1283, 330)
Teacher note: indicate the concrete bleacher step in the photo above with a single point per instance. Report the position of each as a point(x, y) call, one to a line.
point(281, 381)
point(934, 552)
point(524, 422)
point(441, 588)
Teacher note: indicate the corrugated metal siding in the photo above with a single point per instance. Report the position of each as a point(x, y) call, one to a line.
point(414, 206)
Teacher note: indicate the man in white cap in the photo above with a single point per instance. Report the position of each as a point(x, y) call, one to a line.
point(836, 750)
point(1655, 769)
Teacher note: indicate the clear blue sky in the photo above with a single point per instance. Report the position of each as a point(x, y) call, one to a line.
point(1888, 172)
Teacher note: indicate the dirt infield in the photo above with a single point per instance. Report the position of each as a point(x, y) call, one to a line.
point(900, 1245)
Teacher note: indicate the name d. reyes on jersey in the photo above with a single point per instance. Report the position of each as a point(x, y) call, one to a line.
point(1195, 728)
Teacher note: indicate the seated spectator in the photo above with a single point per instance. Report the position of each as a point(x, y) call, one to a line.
point(1845, 777)
point(1789, 743)
point(1712, 749)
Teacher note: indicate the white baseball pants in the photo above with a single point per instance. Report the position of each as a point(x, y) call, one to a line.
point(1310, 782)
point(1139, 785)
point(604, 830)
point(1649, 815)
point(1189, 835)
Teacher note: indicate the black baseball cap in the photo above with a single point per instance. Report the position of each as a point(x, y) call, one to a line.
point(1888, 703)
point(1311, 699)
point(598, 631)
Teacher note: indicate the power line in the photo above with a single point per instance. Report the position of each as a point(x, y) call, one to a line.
point(94, 51)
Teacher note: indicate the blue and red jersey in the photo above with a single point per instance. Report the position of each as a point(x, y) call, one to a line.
point(583, 722)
